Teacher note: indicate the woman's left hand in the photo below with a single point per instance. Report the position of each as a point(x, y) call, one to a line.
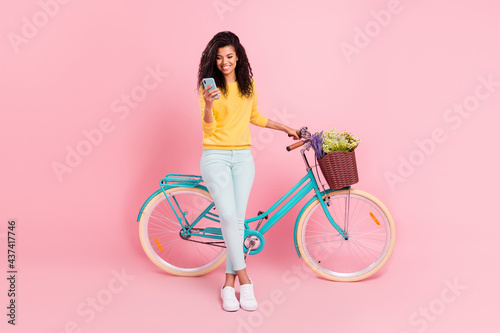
point(293, 133)
point(288, 130)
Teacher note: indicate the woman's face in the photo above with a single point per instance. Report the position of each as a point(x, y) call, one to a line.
point(226, 61)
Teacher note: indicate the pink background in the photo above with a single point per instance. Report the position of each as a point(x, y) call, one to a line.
point(76, 232)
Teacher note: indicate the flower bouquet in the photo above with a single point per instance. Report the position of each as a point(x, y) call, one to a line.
point(335, 154)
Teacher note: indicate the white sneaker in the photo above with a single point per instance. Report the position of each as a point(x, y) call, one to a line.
point(229, 300)
point(247, 298)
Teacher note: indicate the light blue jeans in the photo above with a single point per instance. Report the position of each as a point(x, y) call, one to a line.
point(228, 175)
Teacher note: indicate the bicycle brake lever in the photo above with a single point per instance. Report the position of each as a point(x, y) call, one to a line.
point(304, 133)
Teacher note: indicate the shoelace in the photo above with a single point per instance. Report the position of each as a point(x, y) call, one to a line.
point(247, 293)
point(229, 294)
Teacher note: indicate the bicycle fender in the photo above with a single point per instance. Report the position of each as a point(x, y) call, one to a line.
point(160, 191)
point(146, 202)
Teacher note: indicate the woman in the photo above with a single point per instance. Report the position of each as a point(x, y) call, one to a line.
point(226, 163)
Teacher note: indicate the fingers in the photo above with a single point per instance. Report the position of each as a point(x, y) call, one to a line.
point(206, 89)
point(215, 93)
point(210, 95)
point(294, 133)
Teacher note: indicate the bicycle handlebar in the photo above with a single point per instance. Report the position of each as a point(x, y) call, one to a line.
point(303, 134)
point(295, 145)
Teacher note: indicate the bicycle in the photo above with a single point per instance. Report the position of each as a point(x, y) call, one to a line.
point(342, 235)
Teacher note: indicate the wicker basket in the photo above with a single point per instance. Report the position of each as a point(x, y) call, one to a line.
point(339, 169)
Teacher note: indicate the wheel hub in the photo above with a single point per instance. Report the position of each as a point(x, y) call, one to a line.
point(183, 235)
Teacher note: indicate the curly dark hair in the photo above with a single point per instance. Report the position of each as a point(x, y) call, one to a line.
point(208, 64)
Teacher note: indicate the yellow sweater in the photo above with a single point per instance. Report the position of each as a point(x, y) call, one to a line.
point(231, 114)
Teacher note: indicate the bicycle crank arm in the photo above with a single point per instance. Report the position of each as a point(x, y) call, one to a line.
point(250, 248)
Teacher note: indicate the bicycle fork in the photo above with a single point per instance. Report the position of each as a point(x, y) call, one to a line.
point(320, 197)
point(343, 233)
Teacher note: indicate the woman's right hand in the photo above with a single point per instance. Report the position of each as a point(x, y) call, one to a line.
point(209, 96)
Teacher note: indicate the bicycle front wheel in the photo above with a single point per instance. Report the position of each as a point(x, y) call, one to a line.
point(370, 230)
point(164, 242)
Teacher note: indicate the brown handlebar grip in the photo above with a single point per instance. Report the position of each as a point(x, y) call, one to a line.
point(295, 145)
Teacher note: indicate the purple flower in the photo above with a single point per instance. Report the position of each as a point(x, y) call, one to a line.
point(316, 141)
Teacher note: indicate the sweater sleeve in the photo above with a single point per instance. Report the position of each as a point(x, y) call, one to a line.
point(255, 117)
point(208, 128)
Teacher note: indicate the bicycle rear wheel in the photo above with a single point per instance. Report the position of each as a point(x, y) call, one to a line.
point(170, 249)
point(369, 227)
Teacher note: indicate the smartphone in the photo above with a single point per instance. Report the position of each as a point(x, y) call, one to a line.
point(210, 81)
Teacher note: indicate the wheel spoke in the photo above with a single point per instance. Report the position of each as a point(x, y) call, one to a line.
point(160, 224)
point(364, 249)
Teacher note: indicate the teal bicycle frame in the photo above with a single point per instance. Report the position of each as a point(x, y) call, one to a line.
point(306, 184)
point(309, 182)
